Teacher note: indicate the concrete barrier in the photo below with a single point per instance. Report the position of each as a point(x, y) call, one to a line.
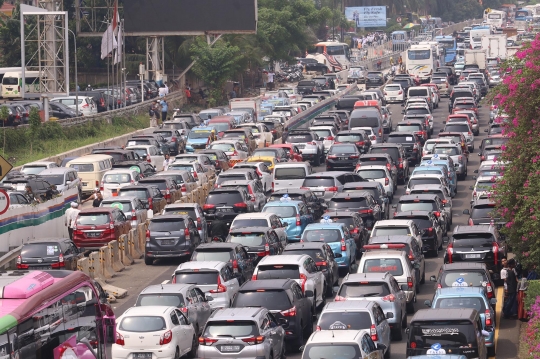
point(134, 239)
point(95, 263)
point(123, 244)
point(140, 245)
point(111, 289)
point(105, 261)
point(84, 265)
point(114, 252)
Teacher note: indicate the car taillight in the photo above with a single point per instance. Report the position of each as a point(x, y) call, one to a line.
point(487, 315)
point(173, 139)
point(400, 163)
point(183, 188)
point(303, 280)
point(373, 332)
point(411, 255)
point(148, 159)
point(489, 289)
point(254, 340)
point(195, 175)
point(386, 181)
point(330, 138)
point(373, 137)
point(60, 263)
point(199, 224)
point(380, 132)
point(150, 203)
point(184, 309)
point(331, 156)
point(400, 92)
point(430, 231)
point(235, 266)
point(471, 223)
point(331, 189)
point(366, 211)
point(240, 205)
point(206, 341)
point(235, 153)
point(496, 253)
point(321, 264)
point(148, 235)
point(343, 245)
point(437, 214)
point(250, 190)
point(318, 328)
point(450, 252)
point(220, 287)
point(167, 193)
point(339, 298)
point(410, 283)
point(289, 312)
point(119, 339)
point(101, 186)
point(20, 265)
point(267, 249)
point(254, 277)
point(388, 166)
point(186, 232)
point(298, 221)
point(207, 207)
point(389, 298)
point(413, 345)
point(360, 143)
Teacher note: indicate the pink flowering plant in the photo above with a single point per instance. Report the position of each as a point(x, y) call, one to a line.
point(531, 339)
point(517, 194)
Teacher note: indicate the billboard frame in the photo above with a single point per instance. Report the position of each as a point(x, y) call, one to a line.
point(359, 24)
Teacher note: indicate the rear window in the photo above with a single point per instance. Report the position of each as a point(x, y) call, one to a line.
point(41, 250)
point(455, 278)
point(409, 128)
point(83, 167)
point(420, 181)
point(392, 151)
point(418, 93)
point(450, 334)
point(161, 184)
point(364, 122)
point(391, 231)
point(473, 240)
point(92, 219)
point(321, 351)
point(224, 178)
point(401, 139)
point(318, 182)
point(461, 302)
point(167, 300)
point(345, 320)
point(371, 174)
point(225, 147)
point(340, 149)
point(230, 328)
point(182, 211)
point(391, 265)
point(322, 235)
point(139, 193)
point(143, 324)
point(269, 299)
point(348, 202)
point(250, 223)
point(439, 193)
point(228, 198)
point(281, 211)
point(164, 133)
point(416, 206)
point(117, 178)
point(306, 83)
point(166, 226)
point(364, 289)
point(220, 255)
point(421, 222)
point(299, 138)
point(124, 206)
point(379, 161)
point(323, 133)
point(248, 239)
point(392, 88)
point(482, 211)
point(197, 277)
point(316, 254)
point(278, 271)
point(417, 111)
point(285, 173)
point(348, 138)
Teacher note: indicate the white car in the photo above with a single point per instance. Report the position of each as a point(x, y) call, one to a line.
point(356, 343)
point(114, 180)
point(380, 174)
point(369, 131)
point(34, 168)
point(234, 149)
point(194, 167)
point(415, 101)
point(150, 153)
point(308, 277)
point(262, 134)
point(327, 133)
point(215, 279)
point(86, 104)
point(397, 227)
point(482, 186)
point(265, 219)
point(393, 93)
point(429, 144)
point(275, 118)
point(154, 332)
point(265, 175)
point(421, 179)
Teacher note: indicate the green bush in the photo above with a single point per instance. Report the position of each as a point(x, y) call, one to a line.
point(532, 292)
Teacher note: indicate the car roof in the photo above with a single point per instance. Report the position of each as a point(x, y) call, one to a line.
point(355, 194)
point(391, 239)
point(283, 259)
point(327, 174)
point(279, 203)
point(428, 187)
point(460, 292)
point(144, 311)
point(166, 288)
point(394, 222)
point(384, 254)
point(345, 336)
point(201, 265)
point(165, 217)
point(340, 213)
point(245, 229)
point(266, 284)
point(56, 170)
point(304, 245)
point(426, 315)
point(325, 225)
point(356, 277)
point(349, 305)
point(421, 196)
point(119, 199)
point(228, 245)
point(257, 215)
point(97, 210)
point(412, 213)
point(463, 265)
point(235, 313)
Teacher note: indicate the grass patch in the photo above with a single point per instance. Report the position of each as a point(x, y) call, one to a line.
point(23, 145)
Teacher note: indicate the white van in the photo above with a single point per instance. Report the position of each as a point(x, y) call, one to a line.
point(290, 174)
point(422, 92)
point(12, 82)
point(113, 180)
point(91, 169)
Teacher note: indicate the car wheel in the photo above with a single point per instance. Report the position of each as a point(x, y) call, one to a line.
point(423, 280)
point(317, 160)
point(283, 354)
point(148, 261)
point(177, 354)
point(194, 346)
point(295, 346)
point(397, 332)
point(387, 353)
point(323, 299)
point(491, 351)
point(309, 328)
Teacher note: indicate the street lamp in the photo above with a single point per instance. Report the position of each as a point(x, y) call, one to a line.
point(76, 79)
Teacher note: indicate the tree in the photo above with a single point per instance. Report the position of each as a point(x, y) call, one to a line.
point(4, 114)
point(34, 120)
point(215, 65)
point(517, 194)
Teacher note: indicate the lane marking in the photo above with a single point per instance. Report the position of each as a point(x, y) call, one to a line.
point(165, 281)
point(498, 314)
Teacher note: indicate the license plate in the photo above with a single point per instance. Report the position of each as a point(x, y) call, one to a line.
point(167, 242)
point(142, 355)
point(392, 98)
point(114, 190)
point(230, 348)
point(319, 193)
point(85, 184)
point(343, 158)
point(41, 267)
point(93, 234)
point(225, 209)
point(473, 256)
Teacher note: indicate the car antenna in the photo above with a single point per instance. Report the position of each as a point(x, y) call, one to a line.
point(332, 333)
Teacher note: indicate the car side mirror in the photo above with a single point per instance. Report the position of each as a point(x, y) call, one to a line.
point(433, 278)
point(389, 315)
point(309, 294)
point(427, 303)
point(405, 287)
point(209, 298)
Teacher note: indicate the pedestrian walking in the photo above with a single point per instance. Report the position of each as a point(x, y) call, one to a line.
point(167, 162)
point(271, 80)
point(164, 109)
point(71, 217)
point(187, 92)
point(510, 307)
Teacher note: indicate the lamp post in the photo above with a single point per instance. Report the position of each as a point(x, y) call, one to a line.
point(76, 79)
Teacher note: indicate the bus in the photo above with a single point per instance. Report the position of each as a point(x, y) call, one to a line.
point(421, 62)
point(524, 14)
point(54, 314)
point(335, 55)
point(535, 10)
point(12, 83)
point(449, 46)
point(399, 40)
point(495, 18)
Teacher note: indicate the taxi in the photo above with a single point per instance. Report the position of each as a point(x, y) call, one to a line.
point(448, 167)
point(269, 161)
point(337, 236)
point(198, 137)
point(295, 215)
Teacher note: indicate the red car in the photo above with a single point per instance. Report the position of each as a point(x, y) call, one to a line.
point(292, 151)
point(95, 227)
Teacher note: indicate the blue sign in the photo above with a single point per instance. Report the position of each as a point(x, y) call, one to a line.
point(436, 346)
point(436, 156)
point(326, 218)
point(429, 162)
point(367, 16)
point(460, 280)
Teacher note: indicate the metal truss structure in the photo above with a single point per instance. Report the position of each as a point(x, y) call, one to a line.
point(93, 16)
point(155, 60)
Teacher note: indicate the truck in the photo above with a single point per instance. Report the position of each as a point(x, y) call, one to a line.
point(476, 35)
point(511, 50)
point(247, 103)
point(494, 45)
point(476, 57)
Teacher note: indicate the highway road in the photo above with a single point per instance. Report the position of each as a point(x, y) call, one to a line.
point(137, 277)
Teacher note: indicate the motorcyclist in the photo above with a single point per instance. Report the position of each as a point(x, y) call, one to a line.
point(218, 228)
point(212, 137)
point(393, 71)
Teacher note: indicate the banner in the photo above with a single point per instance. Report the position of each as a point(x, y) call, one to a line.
point(367, 16)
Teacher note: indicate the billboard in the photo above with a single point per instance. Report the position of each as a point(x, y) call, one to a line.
point(188, 17)
point(367, 16)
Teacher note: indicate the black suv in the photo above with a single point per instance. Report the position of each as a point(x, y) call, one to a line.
point(175, 140)
point(307, 87)
point(360, 202)
point(424, 202)
point(399, 156)
point(409, 143)
point(450, 72)
point(39, 186)
point(299, 194)
point(376, 189)
point(479, 243)
point(258, 241)
point(314, 65)
point(166, 185)
point(148, 194)
point(170, 236)
point(145, 168)
point(46, 254)
point(284, 298)
point(482, 212)
point(230, 201)
point(374, 79)
point(432, 232)
point(237, 257)
point(359, 137)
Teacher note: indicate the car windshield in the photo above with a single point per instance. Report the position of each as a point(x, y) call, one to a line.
point(417, 111)
point(248, 239)
point(142, 324)
point(449, 334)
point(323, 133)
point(225, 147)
point(214, 254)
point(322, 235)
point(401, 139)
point(230, 177)
point(54, 179)
point(40, 250)
point(168, 225)
point(92, 219)
point(197, 134)
point(391, 231)
point(289, 172)
point(484, 185)
point(266, 298)
point(473, 278)
point(197, 277)
point(123, 205)
point(281, 211)
point(230, 328)
point(278, 271)
point(166, 300)
point(416, 205)
point(371, 173)
point(364, 289)
point(461, 302)
point(316, 254)
point(391, 265)
point(348, 202)
point(117, 178)
point(348, 138)
point(392, 151)
point(349, 320)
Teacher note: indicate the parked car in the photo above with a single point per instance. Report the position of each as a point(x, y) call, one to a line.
point(95, 227)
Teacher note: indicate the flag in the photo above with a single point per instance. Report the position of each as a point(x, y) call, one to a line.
point(108, 42)
point(116, 16)
point(119, 49)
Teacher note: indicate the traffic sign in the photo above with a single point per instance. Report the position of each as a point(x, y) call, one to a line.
point(398, 19)
point(4, 201)
point(5, 167)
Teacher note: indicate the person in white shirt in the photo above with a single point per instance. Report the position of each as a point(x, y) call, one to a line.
point(162, 91)
point(271, 80)
point(166, 89)
point(167, 162)
point(71, 217)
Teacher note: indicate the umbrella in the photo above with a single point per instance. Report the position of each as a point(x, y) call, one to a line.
point(410, 25)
